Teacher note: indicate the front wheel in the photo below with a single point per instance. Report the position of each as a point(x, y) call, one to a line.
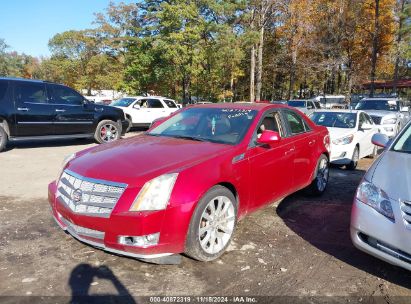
point(3, 139)
point(212, 225)
point(354, 162)
point(130, 124)
point(107, 131)
point(319, 183)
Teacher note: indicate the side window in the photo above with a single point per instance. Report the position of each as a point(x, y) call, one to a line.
point(368, 119)
point(272, 122)
point(65, 96)
point(362, 119)
point(154, 103)
point(26, 92)
point(296, 123)
point(3, 88)
point(317, 104)
point(310, 105)
point(170, 103)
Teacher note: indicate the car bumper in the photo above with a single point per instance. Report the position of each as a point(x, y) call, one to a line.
point(341, 154)
point(105, 233)
point(376, 235)
point(389, 130)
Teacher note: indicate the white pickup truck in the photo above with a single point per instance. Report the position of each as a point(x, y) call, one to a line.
point(141, 111)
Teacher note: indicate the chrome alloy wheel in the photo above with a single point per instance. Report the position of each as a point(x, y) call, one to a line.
point(216, 224)
point(322, 174)
point(108, 132)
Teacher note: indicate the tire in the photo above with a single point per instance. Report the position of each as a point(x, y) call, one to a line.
point(374, 152)
point(206, 245)
point(354, 162)
point(130, 124)
point(3, 139)
point(322, 173)
point(107, 131)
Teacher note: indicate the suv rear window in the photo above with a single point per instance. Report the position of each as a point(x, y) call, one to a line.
point(3, 88)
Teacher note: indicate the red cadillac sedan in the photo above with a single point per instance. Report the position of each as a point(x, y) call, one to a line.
point(183, 185)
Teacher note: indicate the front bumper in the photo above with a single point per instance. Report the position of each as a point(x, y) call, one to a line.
point(378, 236)
point(105, 233)
point(341, 154)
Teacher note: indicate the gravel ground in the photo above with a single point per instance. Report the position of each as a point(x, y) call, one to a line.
point(298, 248)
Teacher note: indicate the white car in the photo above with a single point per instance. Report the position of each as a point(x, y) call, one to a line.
point(389, 114)
point(381, 212)
point(141, 111)
point(350, 135)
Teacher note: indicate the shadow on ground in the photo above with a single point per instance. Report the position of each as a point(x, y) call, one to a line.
point(325, 223)
point(83, 276)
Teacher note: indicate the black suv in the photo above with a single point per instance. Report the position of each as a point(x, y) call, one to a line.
point(34, 109)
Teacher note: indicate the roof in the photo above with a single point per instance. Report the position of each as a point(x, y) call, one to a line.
point(242, 105)
point(22, 79)
point(380, 84)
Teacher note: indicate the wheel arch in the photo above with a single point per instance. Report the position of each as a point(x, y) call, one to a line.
point(233, 190)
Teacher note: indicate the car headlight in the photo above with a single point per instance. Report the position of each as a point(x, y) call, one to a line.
point(376, 198)
point(390, 121)
point(155, 193)
point(344, 140)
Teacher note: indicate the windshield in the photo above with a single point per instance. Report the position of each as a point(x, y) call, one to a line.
point(377, 104)
point(403, 143)
point(332, 100)
point(296, 103)
point(335, 119)
point(123, 102)
point(226, 126)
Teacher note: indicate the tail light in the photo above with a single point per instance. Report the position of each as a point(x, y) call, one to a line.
point(327, 143)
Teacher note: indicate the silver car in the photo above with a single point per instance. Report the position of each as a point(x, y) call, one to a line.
point(388, 113)
point(306, 106)
point(381, 212)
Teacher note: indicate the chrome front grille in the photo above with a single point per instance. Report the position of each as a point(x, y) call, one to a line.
point(88, 196)
point(376, 119)
point(406, 213)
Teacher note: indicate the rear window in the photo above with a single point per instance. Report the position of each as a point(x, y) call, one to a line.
point(170, 103)
point(3, 88)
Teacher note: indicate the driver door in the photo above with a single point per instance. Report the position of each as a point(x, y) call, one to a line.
point(271, 168)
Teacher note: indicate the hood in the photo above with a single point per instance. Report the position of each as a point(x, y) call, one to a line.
point(393, 164)
point(141, 158)
point(336, 133)
point(380, 113)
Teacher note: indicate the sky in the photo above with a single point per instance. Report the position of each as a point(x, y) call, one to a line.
point(27, 25)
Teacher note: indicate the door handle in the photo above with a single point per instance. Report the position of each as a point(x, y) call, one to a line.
point(23, 109)
point(312, 142)
point(289, 151)
point(60, 110)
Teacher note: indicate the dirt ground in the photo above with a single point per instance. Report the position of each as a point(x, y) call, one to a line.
point(299, 248)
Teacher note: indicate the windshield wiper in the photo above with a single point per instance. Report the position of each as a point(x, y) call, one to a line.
point(188, 137)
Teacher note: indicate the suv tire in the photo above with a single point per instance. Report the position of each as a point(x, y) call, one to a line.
point(107, 131)
point(3, 139)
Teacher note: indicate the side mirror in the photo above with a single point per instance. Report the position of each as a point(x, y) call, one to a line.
point(137, 106)
point(269, 137)
point(366, 126)
point(405, 109)
point(380, 140)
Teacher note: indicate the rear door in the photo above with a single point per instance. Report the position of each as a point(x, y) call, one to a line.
point(73, 116)
point(34, 113)
point(304, 140)
point(171, 106)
